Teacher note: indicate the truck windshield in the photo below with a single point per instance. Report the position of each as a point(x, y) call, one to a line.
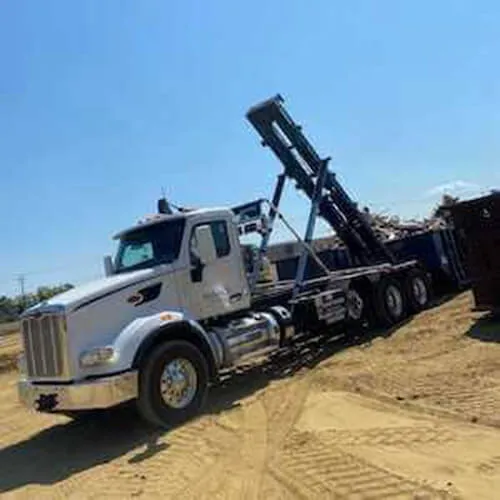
point(149, 246)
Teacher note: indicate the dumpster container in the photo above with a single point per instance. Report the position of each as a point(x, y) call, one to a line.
point(478, 223)
point(440, 252)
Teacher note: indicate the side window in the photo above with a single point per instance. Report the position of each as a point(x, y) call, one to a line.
point(221, 239)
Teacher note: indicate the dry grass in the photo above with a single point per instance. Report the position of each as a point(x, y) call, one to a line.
point(9, 328)
point(10, 346)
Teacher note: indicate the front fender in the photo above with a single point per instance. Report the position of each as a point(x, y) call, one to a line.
point(141, 333)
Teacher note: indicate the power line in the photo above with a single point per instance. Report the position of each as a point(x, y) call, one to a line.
point(21, 280)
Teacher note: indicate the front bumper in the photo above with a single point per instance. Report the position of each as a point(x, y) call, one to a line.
point(86, 395)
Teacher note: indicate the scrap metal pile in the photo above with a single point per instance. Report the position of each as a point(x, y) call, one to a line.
point(392, 227)
point(389, 228)
point(386, 227)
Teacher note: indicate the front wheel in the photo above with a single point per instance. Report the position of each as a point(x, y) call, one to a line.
point(173, 383)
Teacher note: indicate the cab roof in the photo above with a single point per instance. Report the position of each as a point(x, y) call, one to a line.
point(155, 219)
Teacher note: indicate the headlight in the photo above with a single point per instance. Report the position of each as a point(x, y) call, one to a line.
point(97, 356)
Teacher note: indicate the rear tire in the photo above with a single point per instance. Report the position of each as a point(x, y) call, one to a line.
point(390, 302)
point(357, 308)
point(418, 290)
point(173, 384)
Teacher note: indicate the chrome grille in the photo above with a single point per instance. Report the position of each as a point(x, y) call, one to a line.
point(44, 337)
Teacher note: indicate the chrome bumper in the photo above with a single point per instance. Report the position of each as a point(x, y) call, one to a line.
point(100, 393)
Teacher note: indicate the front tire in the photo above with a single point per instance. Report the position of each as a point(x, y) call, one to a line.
point(173, 383)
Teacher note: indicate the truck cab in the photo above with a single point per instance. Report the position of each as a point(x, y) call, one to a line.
point(197, 258)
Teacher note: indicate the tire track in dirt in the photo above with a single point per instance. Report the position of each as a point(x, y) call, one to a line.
point(326, 470)
point(175, 459)
point(390, 436)
point(237, 471)
point(444, 393)
point(254, 452)
point(284, 406)
point(264, 422)
point(310, 466)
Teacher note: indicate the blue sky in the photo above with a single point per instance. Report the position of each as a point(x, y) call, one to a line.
point(104, 103)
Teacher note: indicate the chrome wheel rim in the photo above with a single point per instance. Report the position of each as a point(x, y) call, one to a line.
point(394, 301)
point(178, 383)
point(355, 305)
point(419, 290)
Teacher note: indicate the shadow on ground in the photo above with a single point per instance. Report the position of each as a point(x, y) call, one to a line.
point(57, 453)
point(486, 329)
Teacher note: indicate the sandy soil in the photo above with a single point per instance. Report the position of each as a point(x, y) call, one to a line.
point(412, 413)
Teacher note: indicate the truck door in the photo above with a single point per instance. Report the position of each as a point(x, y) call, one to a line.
point(219, 287)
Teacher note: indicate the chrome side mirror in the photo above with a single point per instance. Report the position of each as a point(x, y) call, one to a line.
point(108, 265)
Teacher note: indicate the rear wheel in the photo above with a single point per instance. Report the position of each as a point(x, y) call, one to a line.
point(173, 383)
point(418, 290)
point(390, 302)
point(356, 305)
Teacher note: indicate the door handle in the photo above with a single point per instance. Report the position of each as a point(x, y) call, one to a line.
point(197, 271)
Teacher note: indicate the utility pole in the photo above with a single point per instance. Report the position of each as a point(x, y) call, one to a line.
point(21, 280)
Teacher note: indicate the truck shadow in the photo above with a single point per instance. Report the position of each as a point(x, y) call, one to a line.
point(486, 329)
point(58, 452)
point(302, 356)
point(55, 454)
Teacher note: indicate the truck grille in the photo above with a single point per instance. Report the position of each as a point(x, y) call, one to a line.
point(44, 345)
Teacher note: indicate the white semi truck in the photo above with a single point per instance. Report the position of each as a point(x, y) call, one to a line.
point(180, 304)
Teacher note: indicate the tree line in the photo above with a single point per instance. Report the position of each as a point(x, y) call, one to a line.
point(12, 307)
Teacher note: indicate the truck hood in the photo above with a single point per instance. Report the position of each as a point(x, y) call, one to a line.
point(93, 290)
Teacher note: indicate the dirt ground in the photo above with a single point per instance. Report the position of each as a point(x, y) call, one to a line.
point(412, 413)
